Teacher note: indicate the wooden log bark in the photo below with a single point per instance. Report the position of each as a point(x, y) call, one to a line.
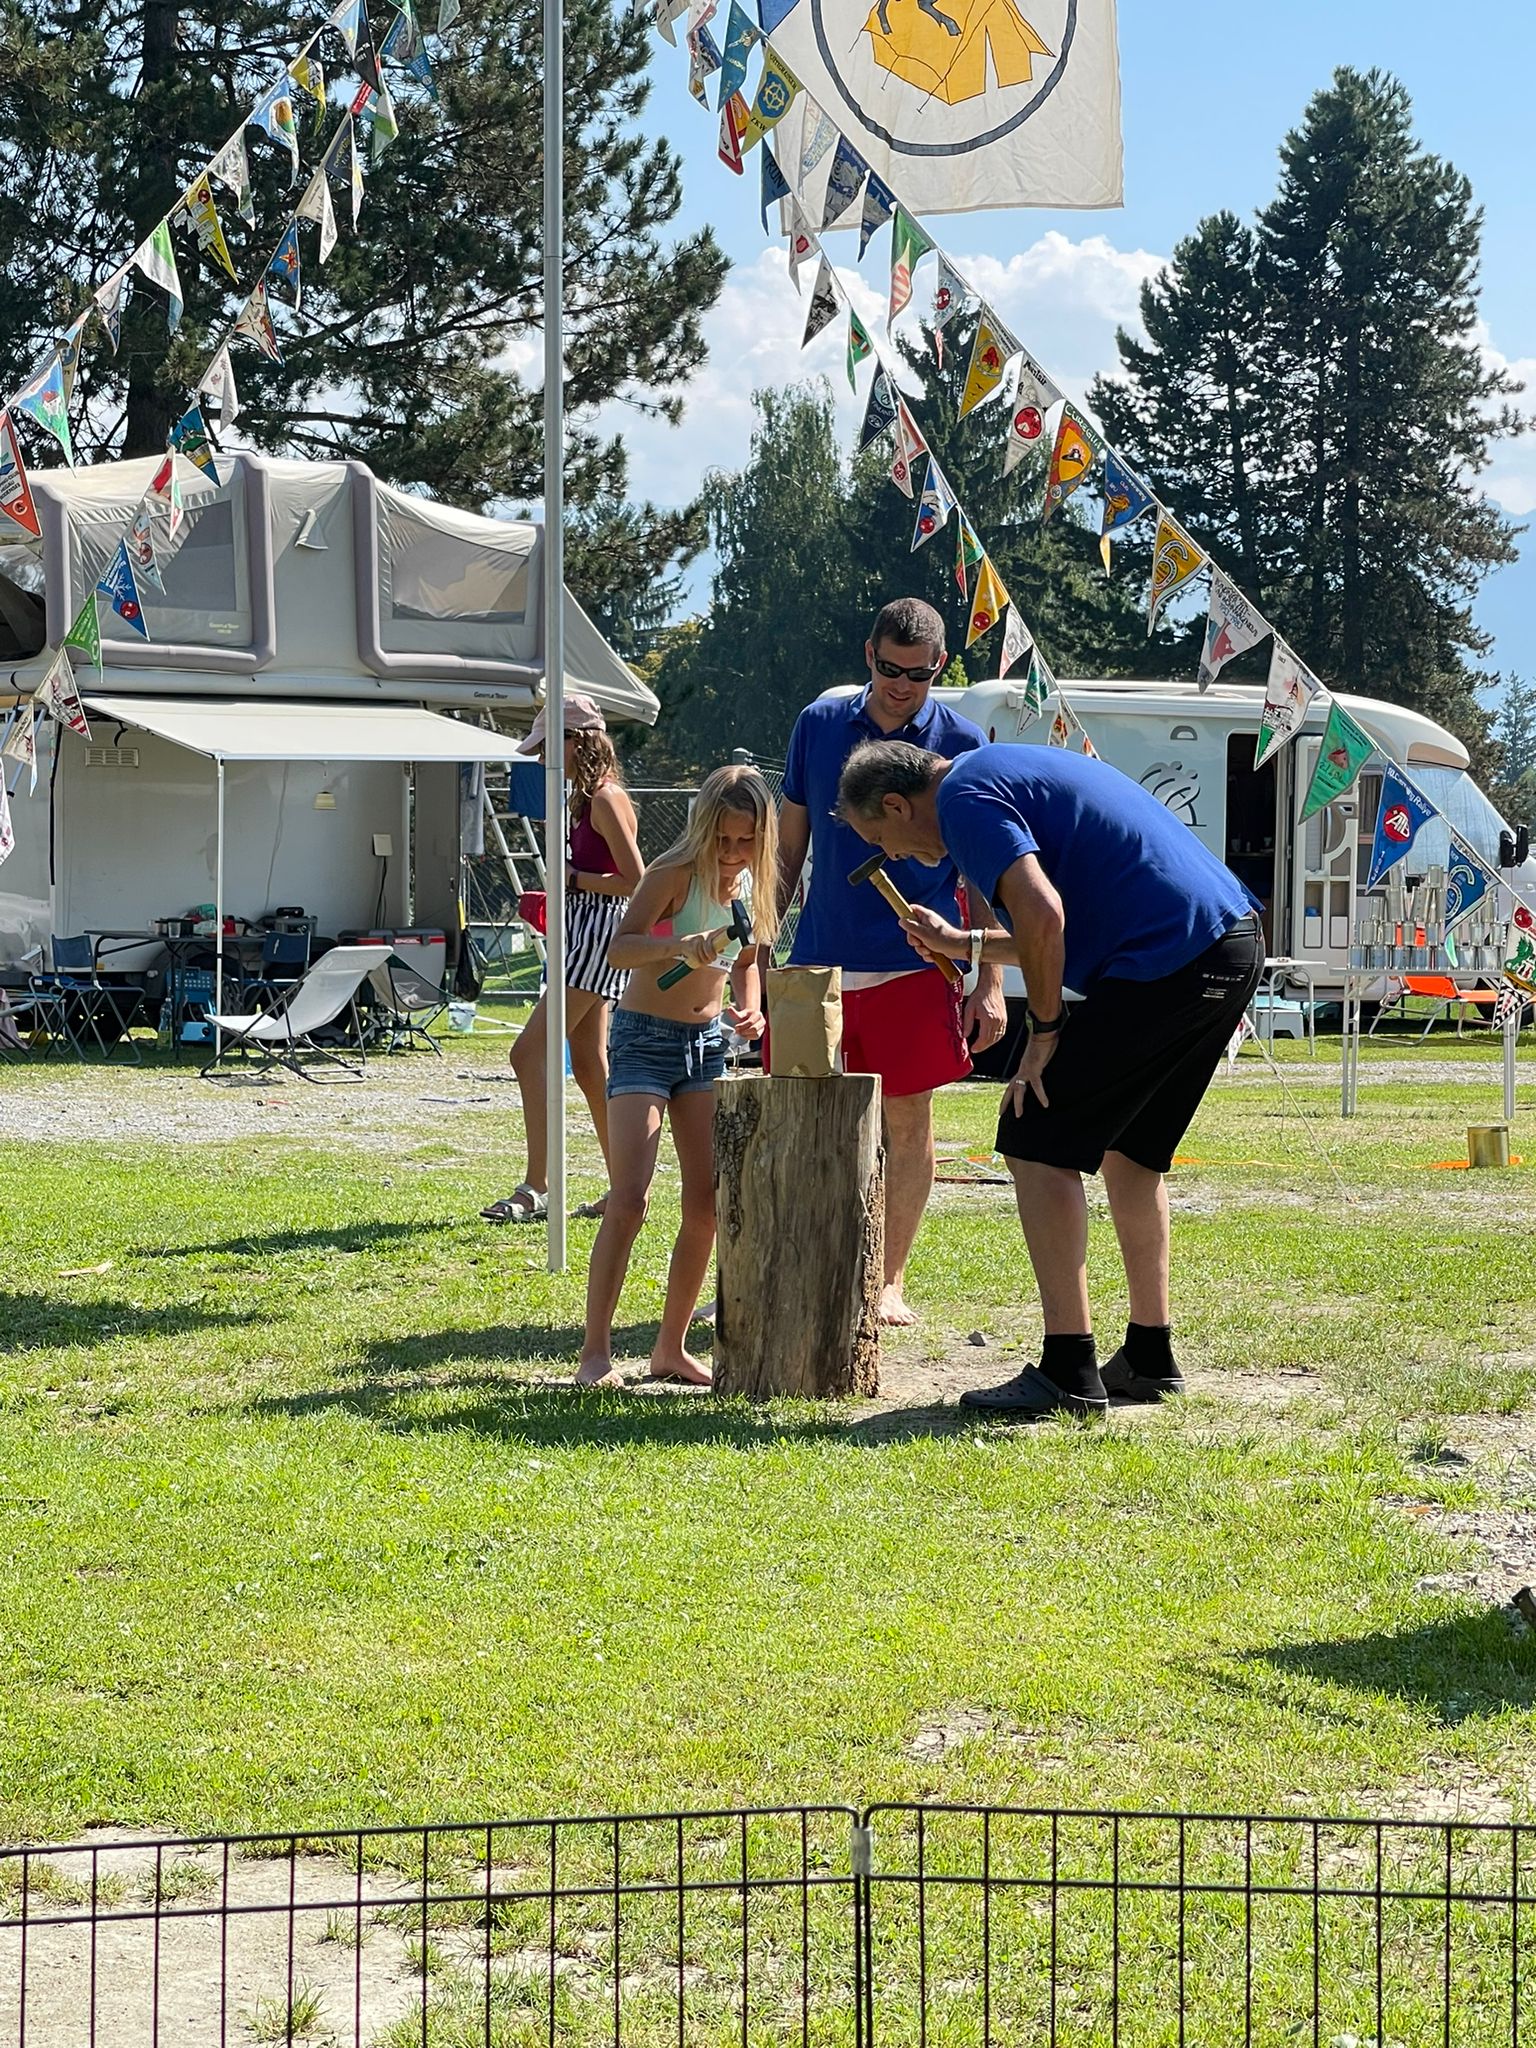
point(800, 1216)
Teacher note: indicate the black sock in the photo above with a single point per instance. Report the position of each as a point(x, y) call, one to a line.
point(1149, 1350)
point(1071, 1363)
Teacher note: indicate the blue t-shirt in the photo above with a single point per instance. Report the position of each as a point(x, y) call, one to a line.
point(1141, 895)
point(847, 927)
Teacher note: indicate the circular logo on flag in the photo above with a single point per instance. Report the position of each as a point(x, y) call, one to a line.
point(1524, 919)
point(982, 620)
point(1028, 424)
point(944, 78)
point(943, 299)
point(927, 522)
point(802, 245)
point(128, 610)
point(1397, 825)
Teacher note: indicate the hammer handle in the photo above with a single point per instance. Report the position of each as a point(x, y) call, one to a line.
point(903, 908)
point(684, 968)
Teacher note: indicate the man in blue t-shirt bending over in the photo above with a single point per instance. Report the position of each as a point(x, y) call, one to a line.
point(1102, 891)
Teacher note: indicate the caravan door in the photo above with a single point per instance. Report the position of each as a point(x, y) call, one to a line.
point(1329, 865)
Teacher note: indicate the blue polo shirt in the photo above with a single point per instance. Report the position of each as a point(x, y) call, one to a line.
point(1142, 895)
point(855, 928)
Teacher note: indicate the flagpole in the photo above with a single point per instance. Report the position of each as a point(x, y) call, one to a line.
point(554, 621)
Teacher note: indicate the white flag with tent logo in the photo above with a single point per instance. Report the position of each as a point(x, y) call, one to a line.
point(22, 743)
point(958, 104)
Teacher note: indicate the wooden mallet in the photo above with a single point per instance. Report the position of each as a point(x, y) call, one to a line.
point(739, 929)
point(873, 870)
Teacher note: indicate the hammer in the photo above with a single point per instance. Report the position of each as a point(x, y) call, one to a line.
point(739, 929)
point(873, 870)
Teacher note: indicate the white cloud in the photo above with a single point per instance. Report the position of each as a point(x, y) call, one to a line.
point(1510, 478)
point(1062, 298)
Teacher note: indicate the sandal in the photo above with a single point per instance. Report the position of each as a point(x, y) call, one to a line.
point(523, 1205)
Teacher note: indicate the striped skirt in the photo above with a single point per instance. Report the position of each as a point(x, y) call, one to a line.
point(590, 925)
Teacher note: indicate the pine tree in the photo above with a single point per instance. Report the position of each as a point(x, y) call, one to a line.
point(416, 348)
point(1312, 399)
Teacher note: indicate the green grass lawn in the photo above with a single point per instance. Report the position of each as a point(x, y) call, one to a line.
point(298, 1526)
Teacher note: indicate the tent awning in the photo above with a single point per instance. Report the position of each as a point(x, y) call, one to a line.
point(229, 730)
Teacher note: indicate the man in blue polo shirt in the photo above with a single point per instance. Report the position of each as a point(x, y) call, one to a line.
point(1100, 890)
point(906, 1026)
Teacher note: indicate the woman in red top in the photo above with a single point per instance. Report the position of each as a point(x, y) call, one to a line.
point(605, 867)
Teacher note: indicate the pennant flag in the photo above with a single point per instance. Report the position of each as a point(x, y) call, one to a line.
point(908, 247)
point(273, 115)
point(385, 128)
point(1520, 967)
point(665, 12)
point(231, 168)
point(844, 182)
point(1175, 558)
point(1400, 818)
point(42, 399)
point(740, 35)
point(141, 543)
point(57, 693)
point(85, 634)
point(988, 603)
point(69, 355)
point(909, 446)
point(255, 323)
point(860, 347)
point(1061, 727)
point(283, 270)
point(879, 205)
point(776, 91)
point(157, 259)
point(1039, 684)
point(773, 185)
point(968, 552)
point(1016, 642)
point(165, 489)
point(1126, 497)
point(1343, 753)
point(308, 74)
point(823, 308)
point(985, 370)
point(7, 830)
point(1466, 883)
point(802, 242)
point(447, 15)
point(22, 745)
point(15, 492)
point(1071, 459)
point(879, 410)
point(949, 295)
point(979, 104)
point(216, 389)
point(419, 66)
point(316, 206)
point(823, 133)
point(351, 17)
point(1034, 395)
point(733, 119)
point(933, 507)
point(1287, 700)
point(1232, 627)
point(198, 212)
point(119, 585)
point(189, 437)
point(356, 172)
point(704, 60)
point(109, 304)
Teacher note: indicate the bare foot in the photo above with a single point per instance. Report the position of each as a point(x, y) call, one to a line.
point(893, 1307)
point(597, 1372)
point(704, 1313)
point(682, 1367)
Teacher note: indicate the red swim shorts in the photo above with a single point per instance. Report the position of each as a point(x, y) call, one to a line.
point(908, 1031)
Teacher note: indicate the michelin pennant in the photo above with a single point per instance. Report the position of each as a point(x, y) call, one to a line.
point(988, 604)
point(1033, 396)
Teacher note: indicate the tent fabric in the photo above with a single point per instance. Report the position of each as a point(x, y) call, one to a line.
point(233, 731)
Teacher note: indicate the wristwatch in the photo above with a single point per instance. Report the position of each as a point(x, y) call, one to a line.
point(1038, 1028)
point(978, 940)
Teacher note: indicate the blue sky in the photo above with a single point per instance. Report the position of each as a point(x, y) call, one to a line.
point(1209, 91)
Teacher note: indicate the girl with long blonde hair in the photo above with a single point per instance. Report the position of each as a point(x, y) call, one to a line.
point(666, 1050)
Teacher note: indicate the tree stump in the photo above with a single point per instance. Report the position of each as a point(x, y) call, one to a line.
point(800, 1217)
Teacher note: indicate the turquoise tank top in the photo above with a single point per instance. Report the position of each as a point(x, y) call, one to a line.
point(701, 913)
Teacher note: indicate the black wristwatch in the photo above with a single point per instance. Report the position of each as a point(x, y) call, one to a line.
point(1038, 1028)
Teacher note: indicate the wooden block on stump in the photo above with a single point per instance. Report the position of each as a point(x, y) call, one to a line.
point(800, 1216)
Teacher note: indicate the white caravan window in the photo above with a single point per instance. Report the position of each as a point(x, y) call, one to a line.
point(206, 601)
point(432, 574)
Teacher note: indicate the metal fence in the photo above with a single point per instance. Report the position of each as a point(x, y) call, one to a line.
point(906, 1925)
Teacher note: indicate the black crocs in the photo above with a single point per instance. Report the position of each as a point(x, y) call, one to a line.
point(1029, 1398)
point(1122, 1381)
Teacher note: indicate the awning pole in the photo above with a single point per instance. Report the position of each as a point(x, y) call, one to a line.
point(218, 913)
point(554, 617)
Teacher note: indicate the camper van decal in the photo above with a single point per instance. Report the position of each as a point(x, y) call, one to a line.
point(1175, 787)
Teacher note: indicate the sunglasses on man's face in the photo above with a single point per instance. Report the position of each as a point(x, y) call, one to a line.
point(892, 669)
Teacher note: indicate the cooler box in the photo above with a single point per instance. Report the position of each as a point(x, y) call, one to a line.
point(421, 947)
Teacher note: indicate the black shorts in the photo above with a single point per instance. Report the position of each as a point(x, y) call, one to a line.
point(1135, 1058)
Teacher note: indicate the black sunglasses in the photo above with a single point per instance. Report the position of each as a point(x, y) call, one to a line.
point(892, 669)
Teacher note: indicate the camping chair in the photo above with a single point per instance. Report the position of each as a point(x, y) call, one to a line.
point(291, 1028)
point(408, 1005)
point(73, 1004)
point(1438, 988)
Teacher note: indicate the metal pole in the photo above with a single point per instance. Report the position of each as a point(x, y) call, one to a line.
point(1511, 1035)
point(554, 617)
point(218, 914)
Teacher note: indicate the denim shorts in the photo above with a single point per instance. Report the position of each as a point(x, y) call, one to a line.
point(658, 1056)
